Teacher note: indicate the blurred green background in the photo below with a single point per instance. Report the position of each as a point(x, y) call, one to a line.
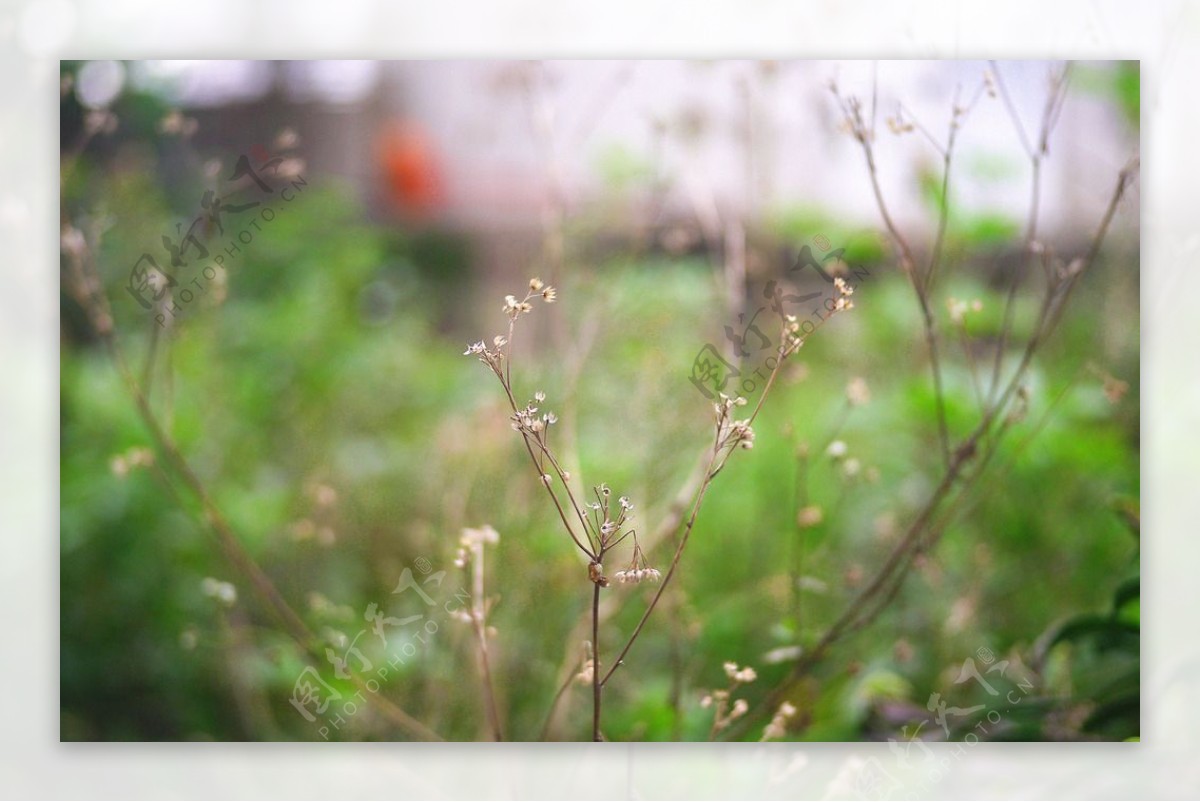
point(323, 399)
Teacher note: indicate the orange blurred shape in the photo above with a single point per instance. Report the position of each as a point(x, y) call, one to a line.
point(411, 169)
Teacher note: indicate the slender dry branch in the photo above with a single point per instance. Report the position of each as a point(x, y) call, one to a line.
point(852, 112)
point(1035, 154)
point(85, 285)
point(479, 627)
point(597, 685)
point(563, 477)
point(723, 446)
point(687, 530)
point(932, 520)
point(958, 116)
point(558, 695)
point(602, 537)
point(669, 523)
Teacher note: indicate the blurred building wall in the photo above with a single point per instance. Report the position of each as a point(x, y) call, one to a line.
point(494, 145)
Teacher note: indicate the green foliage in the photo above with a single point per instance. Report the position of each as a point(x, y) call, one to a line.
point(333, 366)
point(622, 168)
point(1119, 82)
point(796, 225)
point(1101, 655)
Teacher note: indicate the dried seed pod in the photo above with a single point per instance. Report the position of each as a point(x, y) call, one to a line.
point(596, 574)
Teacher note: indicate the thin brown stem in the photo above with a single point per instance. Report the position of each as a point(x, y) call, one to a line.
point(687, 530)
point(972, 365)
point(479, 625)
point(1035, 155)
point(669, 523)
point(512, 402)
point(718, 456)
point(562, 690)
point(801, 501)
point(908, 264)
point(927, 526)
point(597, 685)
point(86, 286)
point(956, 119)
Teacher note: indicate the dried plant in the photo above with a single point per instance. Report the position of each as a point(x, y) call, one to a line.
point(1002, 400)
point(966, 456)
point(600, 524)
point(82, 281)
point(727, 709)
point(597, 527)
point(470, 557)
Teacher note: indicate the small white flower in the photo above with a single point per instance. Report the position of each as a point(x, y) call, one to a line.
point(189, 638)
point(836, 449)
point(809, 516)
point(635, 576)
point(778, 726)
point(514, 308)
point(223, 592)
point(857, 392)
point(475, 538)
point(742, 433)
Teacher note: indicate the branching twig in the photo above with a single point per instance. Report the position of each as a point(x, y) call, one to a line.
point(1035, 154)
point(602, 537)
point(932, 520)
point(85, 285)
point(852, 111)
